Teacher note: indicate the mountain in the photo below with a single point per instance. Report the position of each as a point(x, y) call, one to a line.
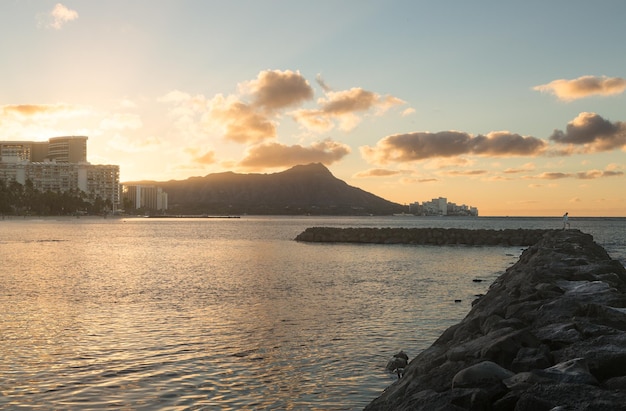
point(303, 189)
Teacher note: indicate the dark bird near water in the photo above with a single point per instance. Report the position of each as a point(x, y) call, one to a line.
point(398, 363)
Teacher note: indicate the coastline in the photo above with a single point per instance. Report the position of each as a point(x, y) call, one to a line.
point(550, 332)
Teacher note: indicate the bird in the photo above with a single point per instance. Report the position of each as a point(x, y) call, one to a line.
point(398, 363)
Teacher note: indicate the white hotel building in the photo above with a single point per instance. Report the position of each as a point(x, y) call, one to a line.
point(59, 164)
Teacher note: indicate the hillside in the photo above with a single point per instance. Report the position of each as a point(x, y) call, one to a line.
point(303, 189)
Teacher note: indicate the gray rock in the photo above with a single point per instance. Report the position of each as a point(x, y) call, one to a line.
point(483, 374)
point(575, 371)
point(549, 333)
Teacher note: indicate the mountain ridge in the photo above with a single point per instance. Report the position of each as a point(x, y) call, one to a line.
point(302, 189)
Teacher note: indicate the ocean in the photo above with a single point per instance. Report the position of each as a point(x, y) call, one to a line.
point(230, 314)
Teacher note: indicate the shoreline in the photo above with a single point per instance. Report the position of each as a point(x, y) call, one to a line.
point(550, 332)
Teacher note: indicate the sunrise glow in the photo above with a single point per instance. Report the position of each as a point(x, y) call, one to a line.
point(509, 107)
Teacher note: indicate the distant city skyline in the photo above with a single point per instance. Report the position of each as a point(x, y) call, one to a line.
point(441, 206)
point(516, 108)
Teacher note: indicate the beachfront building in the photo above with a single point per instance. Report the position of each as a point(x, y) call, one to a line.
point(461, 210)
point(146, 197)
point(59, 165)
point(440, 206)
point(436, 206)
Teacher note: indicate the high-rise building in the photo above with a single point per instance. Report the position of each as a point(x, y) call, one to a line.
point(68, 149)
point(59, 165)
point(148, 197)
point(16, 151)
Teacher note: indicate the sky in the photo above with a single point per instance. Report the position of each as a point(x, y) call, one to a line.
point(517, 108)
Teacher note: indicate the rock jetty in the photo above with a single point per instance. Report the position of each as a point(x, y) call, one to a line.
point(550, 334)
point(429, 236)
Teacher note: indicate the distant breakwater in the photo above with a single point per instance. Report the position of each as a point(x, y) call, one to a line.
point(427, 236)
point(550, 334)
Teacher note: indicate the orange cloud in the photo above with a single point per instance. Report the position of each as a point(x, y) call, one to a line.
point(584, 86)
point(418, 180)
point(552, 176)
point(593, 132)
point(377, 172)
point(498, 178)
point(207, 157)
point(341, 106)
point(280, 155)
point(254, 114)
point(39, 110)
point(525, 167)
point(424, 145)
point(243, 124)
point(466, 172)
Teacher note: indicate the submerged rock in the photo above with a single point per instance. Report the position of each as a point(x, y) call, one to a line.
point(549, 334)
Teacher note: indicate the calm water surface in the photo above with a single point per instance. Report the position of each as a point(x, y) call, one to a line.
point(225, 314)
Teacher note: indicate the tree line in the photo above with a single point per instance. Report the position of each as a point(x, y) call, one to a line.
point(25, 199)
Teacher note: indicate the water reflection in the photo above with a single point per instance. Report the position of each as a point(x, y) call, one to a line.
point(145, 314)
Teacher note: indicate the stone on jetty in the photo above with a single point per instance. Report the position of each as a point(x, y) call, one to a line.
point(429, 236)
point(549, 334)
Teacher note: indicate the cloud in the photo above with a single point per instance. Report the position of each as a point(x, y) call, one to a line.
point(409, 180)
point(552, 176)
point(408, 112)
point(498, 178)
point(127, 144)
point(241, 122)
point(274, 90)
point(341, 106)
point(593, 132)
point(206, 158)
point(320, 81)
point(581, 175)
point(57, 18)
point(593, 174)
point(40, 110)
point(585, 86)
point(424, 145)
point(121, 121)
point(464, 173)
point(254, 114)
point(278, 155)
point(27, 120)
point(523, 168)
point(448, 162)
point(202, 157)
point(126, 103)
point(377, 172)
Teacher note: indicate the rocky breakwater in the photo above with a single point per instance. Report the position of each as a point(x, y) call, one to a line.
point(550, 334)
point(429, 236)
